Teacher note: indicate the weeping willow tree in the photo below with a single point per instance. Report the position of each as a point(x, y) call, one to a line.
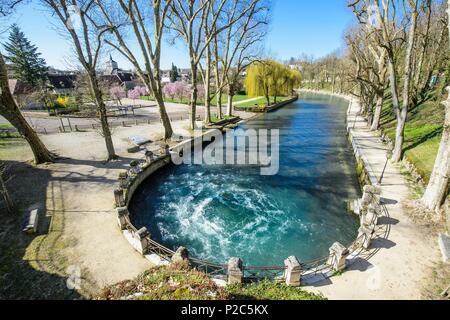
point(270, 78)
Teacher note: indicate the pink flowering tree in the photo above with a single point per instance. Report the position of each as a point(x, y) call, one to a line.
point(134, 94)
point(169, 90)
point(142, 91)
point(182, 90)
point(201, 92)
point(117, 93)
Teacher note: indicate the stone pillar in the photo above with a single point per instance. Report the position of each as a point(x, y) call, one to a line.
point(235, 271)
point(338, 256)
point(365, 234)
point(372, 214)
point(372, 194)
point(149, 156)
point(123, 179)
point(123, 217)
point(119, 197)
point(181, 255)
point(165, 150)
point(293, 272)
point(142, 236)
point(134, 167)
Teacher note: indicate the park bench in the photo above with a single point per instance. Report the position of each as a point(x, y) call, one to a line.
point(137, 142)
point(7, 131)
point(31, 222)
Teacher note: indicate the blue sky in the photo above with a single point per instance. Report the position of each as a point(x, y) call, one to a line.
point(314, 27)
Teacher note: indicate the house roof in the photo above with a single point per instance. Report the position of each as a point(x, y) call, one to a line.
point(62, 81)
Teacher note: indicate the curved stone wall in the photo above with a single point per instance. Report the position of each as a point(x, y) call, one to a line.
point(294, 272)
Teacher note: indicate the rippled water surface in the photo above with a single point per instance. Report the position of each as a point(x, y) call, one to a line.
point(219, 212)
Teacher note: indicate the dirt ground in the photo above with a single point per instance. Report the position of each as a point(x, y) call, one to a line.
point(78, 237)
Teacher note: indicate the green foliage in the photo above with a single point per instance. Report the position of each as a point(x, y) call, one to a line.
point(27, 64)
point(270, 78)
point(422, 133)
point(173, 74)
point(268, 290)
point(175, 282)
point(65, 102)
point(180, 282)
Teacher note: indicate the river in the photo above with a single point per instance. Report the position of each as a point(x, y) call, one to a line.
point(218, 212)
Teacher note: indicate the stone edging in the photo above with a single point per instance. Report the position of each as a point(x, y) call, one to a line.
point(270, 108)
point(293, 272)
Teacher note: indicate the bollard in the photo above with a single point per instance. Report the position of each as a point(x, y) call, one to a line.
point(165, 150)
point(142, 236)
point(70, 125)
point(235, 271)
point(76, 128)
point(93, 126)
point(372, 214)
point(135, 167)
point(365, 234)
point(338, 256)
point(372, 194)
point(181, 255)
point(293, 272)
point(123, 217)
point(123, 179)
point(119, 196)
point(149, 156)
point(123, 123)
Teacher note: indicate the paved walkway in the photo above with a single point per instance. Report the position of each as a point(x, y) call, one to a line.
point(396, 271)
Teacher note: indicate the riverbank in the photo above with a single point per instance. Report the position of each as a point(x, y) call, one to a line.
point(79, 230)
point(404, 260)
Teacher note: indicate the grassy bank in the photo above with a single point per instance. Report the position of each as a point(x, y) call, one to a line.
point(179, 282)
point(422, 133)
point(236, 98)
point(260, 102)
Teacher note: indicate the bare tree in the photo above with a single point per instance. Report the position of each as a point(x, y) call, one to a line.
point(147, 23)
point(196, 22)
point(437, 189)
point(386, 16)
point(9, 108)
point(237, 48)
point(3, 188)
point(88, 45)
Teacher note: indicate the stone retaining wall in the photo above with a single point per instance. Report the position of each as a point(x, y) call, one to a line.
point(270, 108)
point(294, 272)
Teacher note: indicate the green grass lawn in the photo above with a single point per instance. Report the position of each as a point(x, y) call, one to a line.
point(422, 133)
point(260, 102)
point(179, 282)
point(236, 98)
point(5, 126)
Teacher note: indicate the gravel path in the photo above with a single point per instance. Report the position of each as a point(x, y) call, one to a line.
point(398, 269)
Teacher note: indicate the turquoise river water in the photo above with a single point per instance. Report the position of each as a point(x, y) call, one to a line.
point(218, 212)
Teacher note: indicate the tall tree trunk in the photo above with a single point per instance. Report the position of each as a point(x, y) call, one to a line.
point(403, 114)
point(11, 112)
point(437, 189)
point(219, 104)
point(5, 194)
point(378, 109)
point(208, 87)
point(155, 86)
point(194, 94)
point(230, 100)
point(101, 107)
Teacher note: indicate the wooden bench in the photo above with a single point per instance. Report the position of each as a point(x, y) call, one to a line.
point(31, 222)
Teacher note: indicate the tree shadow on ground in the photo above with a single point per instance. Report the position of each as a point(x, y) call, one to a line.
point(32, 266)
